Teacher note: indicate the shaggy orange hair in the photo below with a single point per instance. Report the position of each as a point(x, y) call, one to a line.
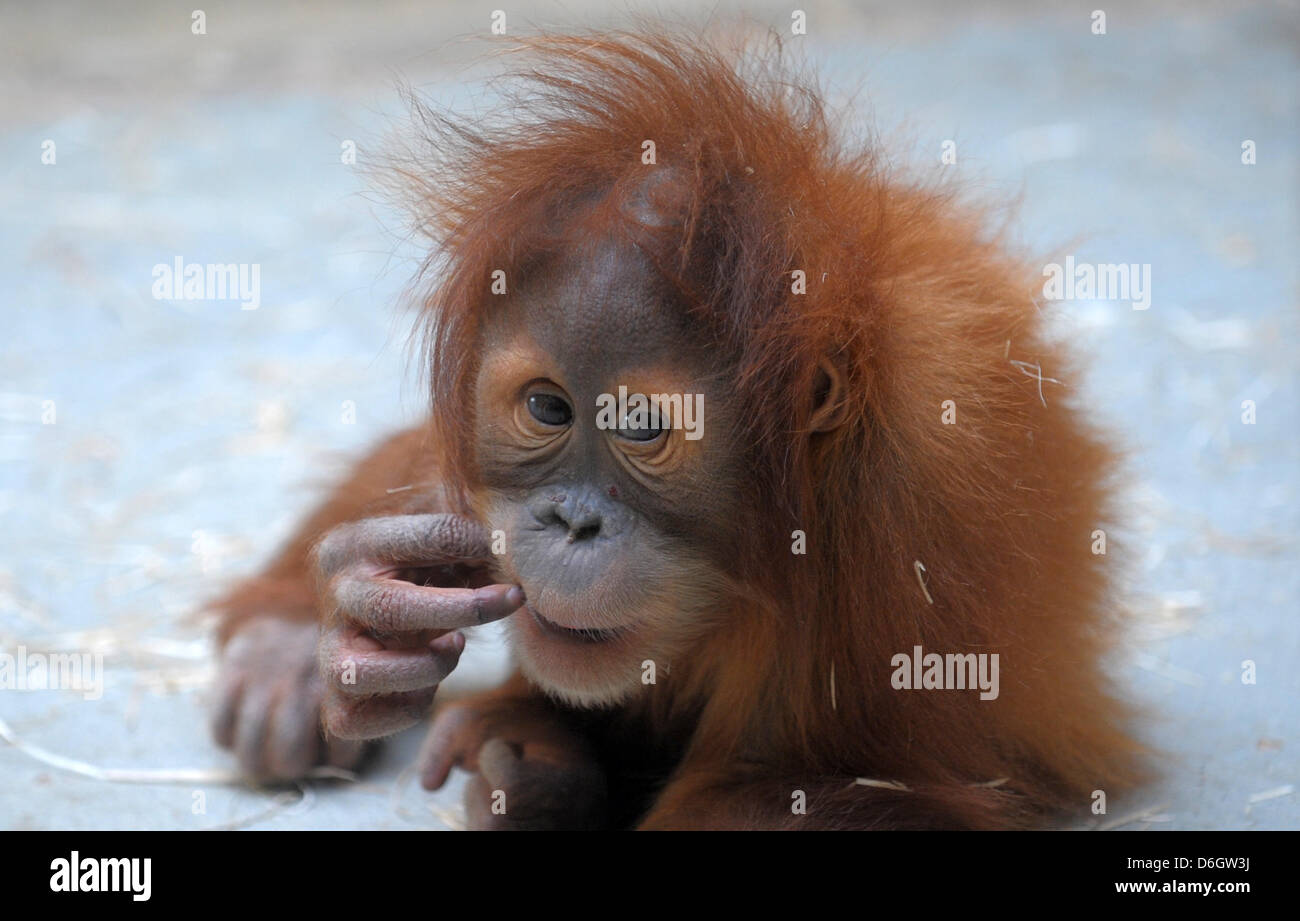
point(913, 305)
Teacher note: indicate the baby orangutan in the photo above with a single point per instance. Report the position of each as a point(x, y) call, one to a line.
point(705, 618)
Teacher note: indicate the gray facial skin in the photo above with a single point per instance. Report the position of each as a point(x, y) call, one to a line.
point(615, 539)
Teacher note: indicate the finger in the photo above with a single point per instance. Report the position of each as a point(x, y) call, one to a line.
point(389, 606)
point(294, 737)
point(372, 717)
point(230, 691)
point(250, 733)
point(500, 763)
point(360, 672)
point(532, 791)
point(343, 753)
point(482, 802)
point(448, 744)
point(406, 539)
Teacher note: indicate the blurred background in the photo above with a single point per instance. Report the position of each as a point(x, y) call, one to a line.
point(153, 450)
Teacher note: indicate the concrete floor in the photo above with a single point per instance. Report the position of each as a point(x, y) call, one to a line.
point(188, 436)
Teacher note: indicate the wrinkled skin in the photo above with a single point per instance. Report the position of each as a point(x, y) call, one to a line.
point(618, 537)
point(391, 635)
point(608, 534)
point(269, 698)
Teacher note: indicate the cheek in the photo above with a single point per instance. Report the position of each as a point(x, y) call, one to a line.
point(493, 510)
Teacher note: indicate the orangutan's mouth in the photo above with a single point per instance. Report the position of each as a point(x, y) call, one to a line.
point(575, 635)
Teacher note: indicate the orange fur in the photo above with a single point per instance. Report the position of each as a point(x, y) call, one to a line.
point(914, 305)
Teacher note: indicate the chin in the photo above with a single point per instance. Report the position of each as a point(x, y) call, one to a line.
point(587, 668)
point(587, 645)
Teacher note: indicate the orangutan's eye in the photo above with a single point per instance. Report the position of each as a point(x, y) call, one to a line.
point(550, 409)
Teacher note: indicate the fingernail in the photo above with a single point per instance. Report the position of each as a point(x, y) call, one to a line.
point(449, 642)
point(493, 603)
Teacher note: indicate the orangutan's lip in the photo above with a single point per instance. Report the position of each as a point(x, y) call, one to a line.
point(583, 635)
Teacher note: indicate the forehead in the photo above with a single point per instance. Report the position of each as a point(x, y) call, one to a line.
point(601, 306)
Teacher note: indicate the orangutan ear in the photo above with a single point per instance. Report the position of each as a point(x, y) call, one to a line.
point(830, 408)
